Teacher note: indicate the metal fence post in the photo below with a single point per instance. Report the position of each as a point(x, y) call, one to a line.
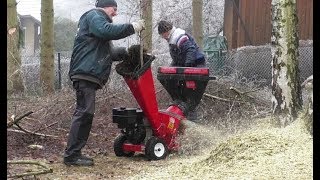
point(59, 71)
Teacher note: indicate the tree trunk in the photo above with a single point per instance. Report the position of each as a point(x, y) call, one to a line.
point(308, 115)
point(146, 6)
point(14, 75)
point(47, 47)
point(197, 25)
point(286, 90)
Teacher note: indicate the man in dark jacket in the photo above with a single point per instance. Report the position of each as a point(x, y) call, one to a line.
point(91, 60)
point(184, 51)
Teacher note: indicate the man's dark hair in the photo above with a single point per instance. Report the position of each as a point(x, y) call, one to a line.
point(164, 26)
point(106, 3)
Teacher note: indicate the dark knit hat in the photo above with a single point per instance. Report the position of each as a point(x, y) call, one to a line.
point(106, 3)
point(164, 26)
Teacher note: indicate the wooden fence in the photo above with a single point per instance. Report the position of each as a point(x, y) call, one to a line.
point(248, 22)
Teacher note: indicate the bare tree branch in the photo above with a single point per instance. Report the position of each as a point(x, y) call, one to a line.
point(221, 99)
point(40, 129)
point(33, 133)
point(16, 120)
point(242, 93)
point(45, 169)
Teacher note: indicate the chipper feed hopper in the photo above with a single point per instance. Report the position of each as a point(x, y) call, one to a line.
point(185, 85)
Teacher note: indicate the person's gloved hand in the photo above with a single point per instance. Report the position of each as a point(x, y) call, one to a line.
point(138, 25)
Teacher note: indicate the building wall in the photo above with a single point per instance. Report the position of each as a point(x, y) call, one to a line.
point(30, 39)
point(248, 22)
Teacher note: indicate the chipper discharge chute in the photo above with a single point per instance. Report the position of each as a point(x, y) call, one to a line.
point(163, 125)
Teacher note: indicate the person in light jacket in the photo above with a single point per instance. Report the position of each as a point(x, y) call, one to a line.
point(184, 51)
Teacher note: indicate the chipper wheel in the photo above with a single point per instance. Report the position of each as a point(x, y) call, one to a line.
point(117, 146)
point(156, 149)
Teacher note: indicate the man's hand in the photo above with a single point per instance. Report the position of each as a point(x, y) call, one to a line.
point(138, 25)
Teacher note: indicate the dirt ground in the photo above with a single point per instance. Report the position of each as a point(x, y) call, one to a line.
point(220, 119)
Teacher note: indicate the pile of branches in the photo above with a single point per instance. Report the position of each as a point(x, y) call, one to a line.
point(13, 125)
point(231, 106)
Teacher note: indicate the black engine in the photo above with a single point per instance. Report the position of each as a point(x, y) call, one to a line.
point(130, 120)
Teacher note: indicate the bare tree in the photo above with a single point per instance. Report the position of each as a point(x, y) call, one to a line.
point(146, 6)
point(47, 47)
point(308, 86)
point(213, 16)
point(286, 90)
point(14, 78)
point(197, 28)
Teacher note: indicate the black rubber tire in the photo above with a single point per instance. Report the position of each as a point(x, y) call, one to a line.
point(117, 146)
point(156, 149)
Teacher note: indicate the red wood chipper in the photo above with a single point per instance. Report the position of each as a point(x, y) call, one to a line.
point(147, 129)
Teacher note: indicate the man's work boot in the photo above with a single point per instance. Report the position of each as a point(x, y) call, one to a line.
point(85, 157)
point(78, 161)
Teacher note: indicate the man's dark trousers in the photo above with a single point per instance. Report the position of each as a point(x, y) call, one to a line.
point(82, 118)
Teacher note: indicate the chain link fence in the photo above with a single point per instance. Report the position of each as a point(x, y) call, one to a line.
point(31, 71)
point(251, 63)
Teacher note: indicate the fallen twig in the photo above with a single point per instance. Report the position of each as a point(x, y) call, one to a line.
point(28, 132)
point(246, 94)
point(33, 133)
point(62, 129)
point(228, 115)
point(40, 129)
point(221, 99)
point(243, 93)
point(45, 170)
point(16, 120)
point(262, 114)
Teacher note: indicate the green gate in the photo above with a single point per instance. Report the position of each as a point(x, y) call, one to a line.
point(216, 48)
